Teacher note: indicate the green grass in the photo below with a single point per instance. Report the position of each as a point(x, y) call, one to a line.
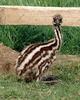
point(61, 3)
point(17, 37)
point(68, 88)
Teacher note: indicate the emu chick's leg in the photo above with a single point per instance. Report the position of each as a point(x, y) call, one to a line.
point(41, 73)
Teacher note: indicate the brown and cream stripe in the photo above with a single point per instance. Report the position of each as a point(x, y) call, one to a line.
point(37, 58)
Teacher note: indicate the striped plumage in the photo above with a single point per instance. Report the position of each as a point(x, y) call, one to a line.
point(34, 60)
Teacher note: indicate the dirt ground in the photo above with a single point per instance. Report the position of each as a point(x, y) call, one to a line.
point(8, 59)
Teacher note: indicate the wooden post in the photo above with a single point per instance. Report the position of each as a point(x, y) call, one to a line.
point(27, 15)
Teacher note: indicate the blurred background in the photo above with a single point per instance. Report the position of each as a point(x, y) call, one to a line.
point(18, 37)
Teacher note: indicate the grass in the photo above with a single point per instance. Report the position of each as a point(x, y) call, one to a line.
point(17, 37)
point(59, 3)
point(68, 88)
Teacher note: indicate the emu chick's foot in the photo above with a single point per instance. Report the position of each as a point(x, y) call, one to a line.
point(50, 79)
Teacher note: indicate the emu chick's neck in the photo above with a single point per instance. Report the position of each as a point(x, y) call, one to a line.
point(58, 37)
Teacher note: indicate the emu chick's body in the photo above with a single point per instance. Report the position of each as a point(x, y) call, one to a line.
point(37, 58)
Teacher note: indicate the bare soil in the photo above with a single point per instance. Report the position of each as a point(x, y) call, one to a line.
point(8, 58)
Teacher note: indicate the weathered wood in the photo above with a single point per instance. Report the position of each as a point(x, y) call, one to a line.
point(21, 15)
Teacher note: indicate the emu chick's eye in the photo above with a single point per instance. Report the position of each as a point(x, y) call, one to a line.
point(54, 19)
point(60, 20)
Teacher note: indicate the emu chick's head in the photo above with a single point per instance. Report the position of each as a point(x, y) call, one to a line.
point(57, 20)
